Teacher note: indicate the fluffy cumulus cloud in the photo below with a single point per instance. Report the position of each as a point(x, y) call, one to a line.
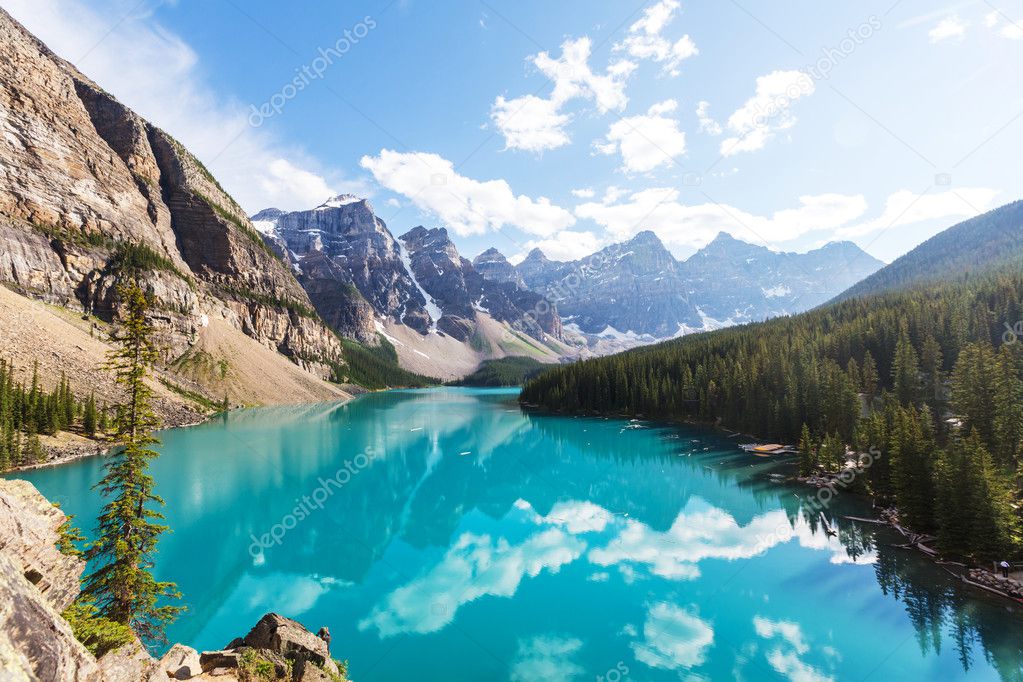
point(949, 28)
point(536, 124)
point(465, 205)
point(530, 123)
point(475, 566)
point(906, 207)
point(673, 638)
point(646, 40)
point(767, 112)
point(158, 74)
point(646, 141)
point(683, 226)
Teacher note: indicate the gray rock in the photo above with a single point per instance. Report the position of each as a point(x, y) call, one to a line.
point(181, 662)
point(287, 637)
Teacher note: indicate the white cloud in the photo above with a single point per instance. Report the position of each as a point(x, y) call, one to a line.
point(465, 205)
point(573, 77)
point(692, 226)
point(673, 638)
point(906, 207)
point(785, 657)
point(699, 532)
point(948, 28)
point(646, 42)
point(535, 124)
point(787, 630)
point(707, 124)
point(566, 245)
point(578, 517)
point(767, 112)
point(548, 658)
point(646, 141)
point(474, 566)
point(991, 19)
point(583, 193)
point(530, 123)
point(156, 73)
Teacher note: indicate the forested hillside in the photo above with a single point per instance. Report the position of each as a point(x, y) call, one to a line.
point(962, 250)
point(930, 377)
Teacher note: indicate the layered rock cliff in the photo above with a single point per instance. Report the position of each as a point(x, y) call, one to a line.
point(349, 263)
point(90, 191)
point(461, 291)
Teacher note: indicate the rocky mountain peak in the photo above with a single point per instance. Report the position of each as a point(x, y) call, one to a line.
point(647, 238)
point(495, 267)
point(339, 201)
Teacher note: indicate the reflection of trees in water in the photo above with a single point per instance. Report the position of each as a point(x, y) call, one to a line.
point(941, 610)
point(939, 607)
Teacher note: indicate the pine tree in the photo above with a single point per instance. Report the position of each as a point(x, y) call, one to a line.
point(906, 372)
point(807, 456)
point(122, 586)
point(89, 416)
point(870, 376)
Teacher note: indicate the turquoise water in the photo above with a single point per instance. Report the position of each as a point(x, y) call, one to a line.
point(446, 535)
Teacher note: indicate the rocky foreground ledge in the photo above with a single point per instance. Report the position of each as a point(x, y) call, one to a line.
point(38, 582)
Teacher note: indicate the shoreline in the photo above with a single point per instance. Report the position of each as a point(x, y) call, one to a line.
point(816, 482)
point(58, 455)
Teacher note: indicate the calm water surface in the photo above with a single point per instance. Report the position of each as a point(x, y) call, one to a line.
point(446, 535)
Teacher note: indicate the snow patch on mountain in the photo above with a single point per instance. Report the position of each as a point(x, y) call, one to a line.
point(432, 309)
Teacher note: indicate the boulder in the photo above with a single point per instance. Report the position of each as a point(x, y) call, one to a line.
point(211, 660)
point(131, 663)
point(288, 637)
point(181, 662)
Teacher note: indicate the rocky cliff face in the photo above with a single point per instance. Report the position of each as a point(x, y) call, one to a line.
point(461, 291)
point(350, 264)
point(38, 582)
point(89, 191)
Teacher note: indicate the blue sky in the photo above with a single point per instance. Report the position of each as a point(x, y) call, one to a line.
point(574, 124)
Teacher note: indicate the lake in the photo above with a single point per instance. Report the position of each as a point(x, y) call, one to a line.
point(445, 534)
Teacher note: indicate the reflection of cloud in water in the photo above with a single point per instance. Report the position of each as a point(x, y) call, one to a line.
point(546, 658)
point(292, 594)
point(702, 531)
point(785, 655)
point(673, 638)
point(575, 517)
point(475, 566)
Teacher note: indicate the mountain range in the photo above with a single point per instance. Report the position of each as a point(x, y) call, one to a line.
point(362, 279)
